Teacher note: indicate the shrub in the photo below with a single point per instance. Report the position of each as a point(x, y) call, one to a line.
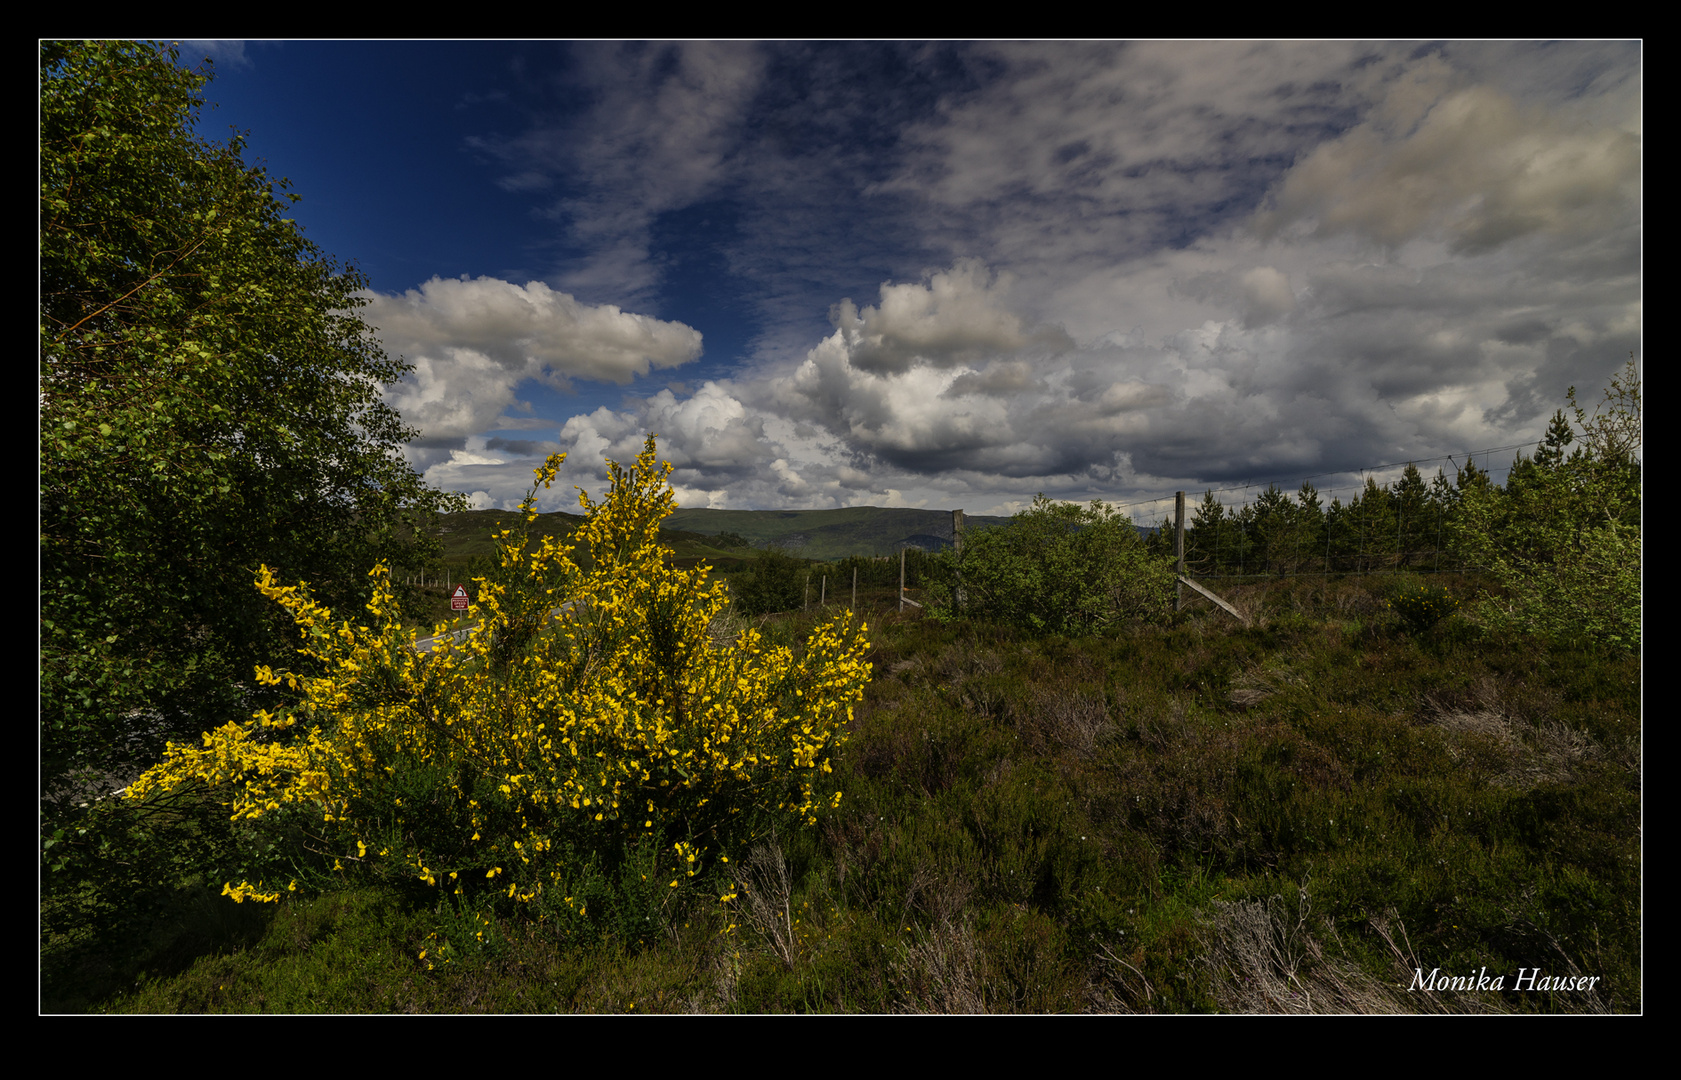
point(588, 741)
point(1057, 568)
point(776, 583)
point(1422, 607)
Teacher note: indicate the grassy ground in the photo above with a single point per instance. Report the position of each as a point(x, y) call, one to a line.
point(1300, 816)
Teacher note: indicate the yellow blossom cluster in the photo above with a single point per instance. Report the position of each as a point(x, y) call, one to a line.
point(589, 707)
point(1423, 607)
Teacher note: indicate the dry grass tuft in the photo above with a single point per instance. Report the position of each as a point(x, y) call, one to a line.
point(1264, 959)
point(764, 898)
point(1256, 684)
point(1513, 754)
point(943, 972)
point(1054, 717)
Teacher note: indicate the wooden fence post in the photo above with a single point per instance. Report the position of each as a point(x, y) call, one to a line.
point(1179, 547)
point(957, 546)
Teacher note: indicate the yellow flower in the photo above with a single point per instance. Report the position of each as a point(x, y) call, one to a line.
point(566, 726)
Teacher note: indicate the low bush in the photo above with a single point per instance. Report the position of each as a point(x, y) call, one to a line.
point(1057, 568)
point(1422, 607)
point(776, 582)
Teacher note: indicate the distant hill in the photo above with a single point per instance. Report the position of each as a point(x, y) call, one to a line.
point(833, 534)
point(811, 534)
point(708, 534)
point(471, 533)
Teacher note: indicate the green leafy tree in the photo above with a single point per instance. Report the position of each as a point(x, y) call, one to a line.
point(209, 402)
point(1058, 568)
point(1563, 534)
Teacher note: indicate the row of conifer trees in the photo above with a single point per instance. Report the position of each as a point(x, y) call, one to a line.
point(1408, 524)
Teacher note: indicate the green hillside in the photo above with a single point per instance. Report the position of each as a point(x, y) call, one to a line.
point(470, 535)
point(695, 534)
point(832, 534)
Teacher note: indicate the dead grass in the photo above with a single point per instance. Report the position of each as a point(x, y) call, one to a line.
point(764, 894)
point(941, 972)
point(1258, 683)
point(1054, 718)
point(1513, 753)
point(1264, 958)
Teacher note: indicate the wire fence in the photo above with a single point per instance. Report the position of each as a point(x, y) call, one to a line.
point(1378, 518)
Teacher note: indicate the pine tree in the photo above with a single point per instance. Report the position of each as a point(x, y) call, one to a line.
point(1275, 531)
point(1375, 518)
point(1411, 502)
point(1203, 538)
point(1241, 555)
point(1310, 531)
point(1550, 454)
point(1443, 499)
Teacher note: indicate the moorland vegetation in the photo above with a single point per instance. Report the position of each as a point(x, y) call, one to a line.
point(1381, 776)
point(1052, 789)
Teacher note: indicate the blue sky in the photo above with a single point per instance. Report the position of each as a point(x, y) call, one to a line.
point(959, 274)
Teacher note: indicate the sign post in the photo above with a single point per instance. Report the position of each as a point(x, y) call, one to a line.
point(458, 599)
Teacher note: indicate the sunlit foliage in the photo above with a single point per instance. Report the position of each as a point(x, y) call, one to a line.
point(589, 725)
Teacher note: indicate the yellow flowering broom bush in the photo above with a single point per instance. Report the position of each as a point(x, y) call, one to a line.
point(588, 738)
point(1421, 608)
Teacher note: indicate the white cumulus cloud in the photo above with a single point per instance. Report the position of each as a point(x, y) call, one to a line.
point(473, 341)
point(958, 315)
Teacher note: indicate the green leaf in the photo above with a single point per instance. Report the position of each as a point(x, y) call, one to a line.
point(252, 425)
